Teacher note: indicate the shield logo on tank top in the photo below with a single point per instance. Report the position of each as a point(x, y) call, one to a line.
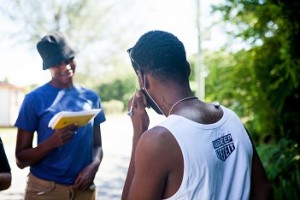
point(223, 146)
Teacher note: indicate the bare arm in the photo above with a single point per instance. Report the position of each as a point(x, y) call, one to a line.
point(151, 160)
point(26, 155)
point(260, 185)
point(5, 180)
point(5, 175)
point(140, 123)
point(158, 170)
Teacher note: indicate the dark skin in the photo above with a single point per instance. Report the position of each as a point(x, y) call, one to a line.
point(26, 155)
point(156, 166)
point(5, 175)
point(5, 180)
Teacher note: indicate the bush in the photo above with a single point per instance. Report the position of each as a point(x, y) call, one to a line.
point(112, 106)
point(120, 89)
point(282, 164)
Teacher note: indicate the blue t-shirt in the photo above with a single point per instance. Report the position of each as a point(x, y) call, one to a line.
point(62, 164)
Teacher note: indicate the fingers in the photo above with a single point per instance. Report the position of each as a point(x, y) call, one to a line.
point(73, 128)
point(140, 99)
point(137, 103)
point(82, 182)
point(62, 136)
point(69, 132)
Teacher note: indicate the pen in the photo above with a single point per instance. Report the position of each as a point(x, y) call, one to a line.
point(130, 112)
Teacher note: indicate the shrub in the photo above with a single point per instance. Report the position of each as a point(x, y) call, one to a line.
point(282, 164)
point(112, 106)
point(120, 89)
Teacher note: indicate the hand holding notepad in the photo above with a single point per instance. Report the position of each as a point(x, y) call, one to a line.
point(66, 118)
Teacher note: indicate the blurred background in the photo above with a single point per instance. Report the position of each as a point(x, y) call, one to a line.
point(244, 54)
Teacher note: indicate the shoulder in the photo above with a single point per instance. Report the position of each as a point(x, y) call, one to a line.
point(155, 145)
point(82, 88)
point(37, 94)
point(40, 91)
point(85, 90)
point(155, 137)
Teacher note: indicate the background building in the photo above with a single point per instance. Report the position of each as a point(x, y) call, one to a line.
point(11, 98)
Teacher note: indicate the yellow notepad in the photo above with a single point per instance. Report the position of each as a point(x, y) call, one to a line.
point(65, 118)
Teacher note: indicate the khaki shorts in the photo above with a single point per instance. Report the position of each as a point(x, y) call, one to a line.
point(39, 189)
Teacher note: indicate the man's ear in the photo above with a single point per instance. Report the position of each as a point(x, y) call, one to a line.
point(141, 78)
point(188, 69)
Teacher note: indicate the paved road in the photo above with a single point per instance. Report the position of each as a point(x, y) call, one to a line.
point(116, 134)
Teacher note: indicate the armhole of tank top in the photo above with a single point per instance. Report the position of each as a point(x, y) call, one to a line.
point(176, 195)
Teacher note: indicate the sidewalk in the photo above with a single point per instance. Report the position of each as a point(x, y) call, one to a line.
point(116, 139)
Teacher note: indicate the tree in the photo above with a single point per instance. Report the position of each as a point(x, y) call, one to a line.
point(89, 23)
point(271, 28)
point(36, 18)
point(231, 81)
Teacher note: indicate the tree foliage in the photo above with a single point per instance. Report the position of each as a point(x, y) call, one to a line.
point(261, 82)
point(232, 82)
point(283, 167)
point(90, 24)
point(121, 89)
point(272, 29)
point(73, 17)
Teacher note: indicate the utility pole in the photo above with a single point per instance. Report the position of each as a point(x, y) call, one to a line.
point(199, 67)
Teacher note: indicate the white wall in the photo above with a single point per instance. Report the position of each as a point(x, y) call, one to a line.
point(10, 101)
point(4, 106)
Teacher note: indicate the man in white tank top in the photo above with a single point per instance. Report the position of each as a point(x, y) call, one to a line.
point(201, 150)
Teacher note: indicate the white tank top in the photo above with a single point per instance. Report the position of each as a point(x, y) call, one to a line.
point(217, 158)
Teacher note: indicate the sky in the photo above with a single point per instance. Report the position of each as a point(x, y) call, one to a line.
point(22, 67)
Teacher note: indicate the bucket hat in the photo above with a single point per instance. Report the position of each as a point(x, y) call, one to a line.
point(55, 48)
